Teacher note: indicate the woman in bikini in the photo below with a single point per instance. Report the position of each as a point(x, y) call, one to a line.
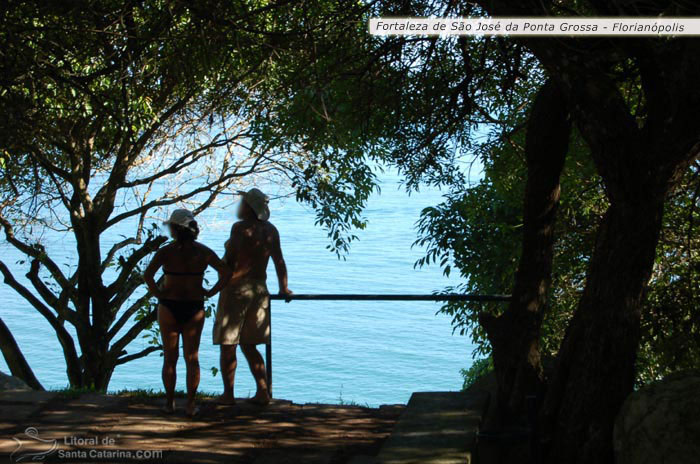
point(181, 300)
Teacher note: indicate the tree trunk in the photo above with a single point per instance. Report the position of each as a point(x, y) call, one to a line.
point(94, 342)
point(515, 335)
point(595, 369)
point(19, 367)
point(99, 379)
point(97, 364)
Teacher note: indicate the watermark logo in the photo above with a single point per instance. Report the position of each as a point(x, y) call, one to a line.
point(77, 448)
point(31, 435)
point(537, 26)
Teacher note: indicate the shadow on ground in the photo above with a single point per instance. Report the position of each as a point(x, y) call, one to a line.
point(103, 428)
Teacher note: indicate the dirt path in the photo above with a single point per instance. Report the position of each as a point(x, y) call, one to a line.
point(99, 428)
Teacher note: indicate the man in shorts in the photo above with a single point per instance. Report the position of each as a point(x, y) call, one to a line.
point(243, 312)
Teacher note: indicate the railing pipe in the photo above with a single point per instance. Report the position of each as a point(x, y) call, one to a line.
point(391, 297)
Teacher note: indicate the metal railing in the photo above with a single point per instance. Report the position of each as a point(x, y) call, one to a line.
point(369, 297)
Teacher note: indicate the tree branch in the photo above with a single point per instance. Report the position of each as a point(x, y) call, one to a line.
point(50, 168)
point(123, 292)
point(180, 163)
point(126, 157)
point(124, 243)
point(37, 252)
point(19, 367)
point(69, 351)
point(132, 333)
point(128, 265)
point(130, 311)
point(170, 201)
point(116, 247)
point(57, 303)
point(141, 354)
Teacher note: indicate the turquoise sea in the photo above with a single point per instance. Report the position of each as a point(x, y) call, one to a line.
point(364, 352)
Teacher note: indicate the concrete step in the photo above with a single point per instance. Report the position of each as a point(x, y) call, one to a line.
point(361, 459)
point(435, 428)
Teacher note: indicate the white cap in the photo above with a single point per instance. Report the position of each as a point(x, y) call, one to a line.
point(183, 218)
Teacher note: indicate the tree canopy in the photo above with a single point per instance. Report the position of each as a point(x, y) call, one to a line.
point(429, 105)
point(586, 210)
point(113, 111)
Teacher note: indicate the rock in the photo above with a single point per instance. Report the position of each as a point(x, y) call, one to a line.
point(8, 382)
point(661, 423)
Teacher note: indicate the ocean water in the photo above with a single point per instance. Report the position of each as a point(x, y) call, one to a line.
point(334, 351)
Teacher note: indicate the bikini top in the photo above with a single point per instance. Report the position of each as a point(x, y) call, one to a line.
point(183, 273)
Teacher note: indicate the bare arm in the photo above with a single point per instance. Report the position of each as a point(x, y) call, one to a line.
point(223, 270)
point(280, 265)
point(150, 272)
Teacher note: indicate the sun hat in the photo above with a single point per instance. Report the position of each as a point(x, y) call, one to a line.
point(258, 202)
point(183, 218)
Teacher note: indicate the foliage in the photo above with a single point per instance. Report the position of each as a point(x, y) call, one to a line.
point(114, 111)
point(422, 104)
point(104, 100)
point(480, 368)
point(418, 104)
point(436, 109)
point(476, 232)
point(671, 321)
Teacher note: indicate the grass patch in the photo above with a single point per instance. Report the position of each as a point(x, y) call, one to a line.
point(343, 402)
point(149, 393)
point(70, 393)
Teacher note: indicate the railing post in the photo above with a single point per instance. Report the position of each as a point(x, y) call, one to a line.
point(268, 350)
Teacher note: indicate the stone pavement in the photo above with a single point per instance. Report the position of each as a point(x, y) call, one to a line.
point(107, 428)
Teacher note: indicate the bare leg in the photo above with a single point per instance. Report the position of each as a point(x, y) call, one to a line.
point(228, 366)
point(191, 335)
point(171, 337)
point(257, 368)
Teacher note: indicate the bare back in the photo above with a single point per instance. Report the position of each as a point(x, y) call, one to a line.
point(183, 268)
point(250, 247)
